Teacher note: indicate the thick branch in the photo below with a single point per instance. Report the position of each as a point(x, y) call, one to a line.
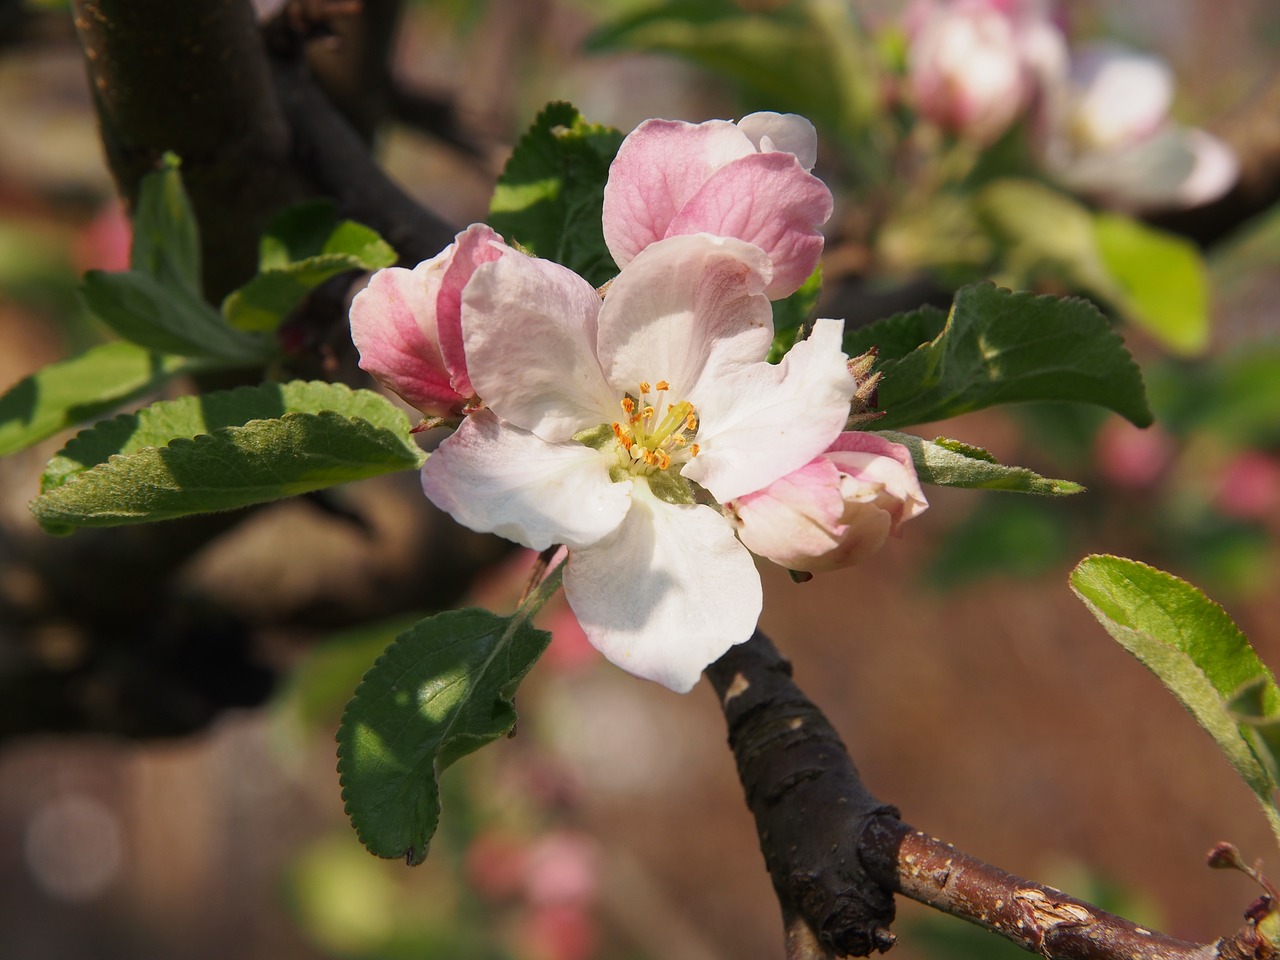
point(809, 803)
point(192, 77)
point(836, 855)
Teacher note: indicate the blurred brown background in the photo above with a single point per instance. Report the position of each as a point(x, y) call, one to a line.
point(995, 713)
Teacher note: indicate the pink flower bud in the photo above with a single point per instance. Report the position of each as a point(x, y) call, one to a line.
point(407, 324)
point(975, 65)
point(835, 510)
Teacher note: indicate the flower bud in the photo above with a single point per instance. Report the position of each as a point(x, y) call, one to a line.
point(407, 324)
point(834, 511)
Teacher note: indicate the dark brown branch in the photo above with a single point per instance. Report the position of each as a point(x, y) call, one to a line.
point(192, 77)
point(836, 855)
point(809, 803)
point(337, 159)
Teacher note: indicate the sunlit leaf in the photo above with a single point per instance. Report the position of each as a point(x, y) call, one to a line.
point(62, 394)
point(550, 195)
point(1003, 347)
point(188, 417)
point(303, 247)
point(1190, 643)
point(230, 467)
point(1158, 281)
point(442, 690)
point(950, 463)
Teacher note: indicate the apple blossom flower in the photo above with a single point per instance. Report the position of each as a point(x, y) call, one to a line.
point(748, 180)
point(613, 426)
point(834, 511)
point(1109, 135)
point(974, 66)
point(407, 324)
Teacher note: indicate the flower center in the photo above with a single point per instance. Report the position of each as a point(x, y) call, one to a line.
point(655, 431)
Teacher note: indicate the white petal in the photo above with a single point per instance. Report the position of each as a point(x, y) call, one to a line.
point(529, 327)
point(788, 132)
point(760, 423)
point(666, 593)
point(684, 305)
point(496, 478)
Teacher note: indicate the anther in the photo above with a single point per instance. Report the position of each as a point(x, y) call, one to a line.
point(628, 405)
point(663, 385)
point(644, 386)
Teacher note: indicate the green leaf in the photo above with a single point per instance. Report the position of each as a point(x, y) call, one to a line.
point(167, 318)
point(1158, 281)
point(896, 336)
point(1248, 707)
point(550, 195)
point(950, 463)
point(63, 394)
point(166, 240)
point(316, 691)
point(303, 247)
point(189, 417)
point(442, 690)
point(1003, 347)
point(791, 313)
point(805, 57)
point(1044, 232)
point(1152, 278)
point(229, 467)
point(1190, 643)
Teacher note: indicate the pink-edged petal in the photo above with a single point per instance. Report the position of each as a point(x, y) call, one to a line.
point(762, 422)
point(660, 165)
point(496, 478)
point(769, 200)
point(797, 518)
point(788, 132)
point(393, 326)
point(666, 593)
point(685, 305)
point(476, 245)
point(530, 330)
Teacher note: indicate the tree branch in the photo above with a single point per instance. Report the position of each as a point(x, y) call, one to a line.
point(837, 855)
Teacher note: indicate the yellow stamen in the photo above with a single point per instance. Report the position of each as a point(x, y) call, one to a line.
point(663, 385)
point(628, 405)
point(693, 450)
point(644, 386)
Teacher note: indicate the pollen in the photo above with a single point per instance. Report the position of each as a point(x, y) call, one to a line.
point(656, 432)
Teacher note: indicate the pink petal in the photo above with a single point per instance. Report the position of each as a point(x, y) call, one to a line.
point(684, 306)
point(393, 327)
point(767, 199)
point(666, 593)
point(476, 245)
point(794, 518)
point(660, 165)
point(762, 422)
point(530, 329)
point(496, 478)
